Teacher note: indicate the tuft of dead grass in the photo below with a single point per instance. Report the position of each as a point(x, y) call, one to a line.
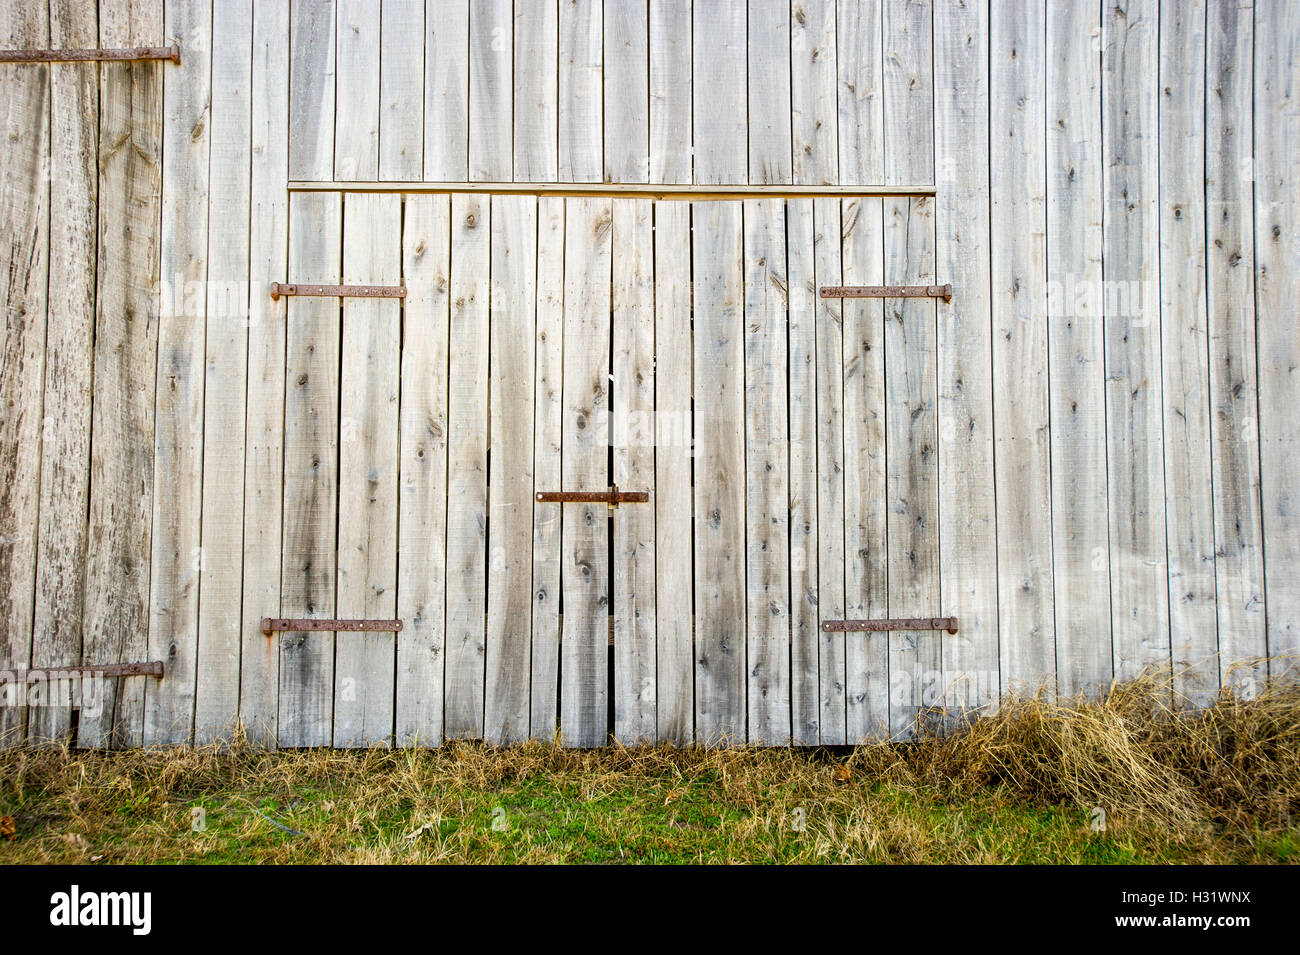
point(1221, 784)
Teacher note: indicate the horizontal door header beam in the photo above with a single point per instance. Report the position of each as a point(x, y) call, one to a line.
point(172, 53)
point(619, 190)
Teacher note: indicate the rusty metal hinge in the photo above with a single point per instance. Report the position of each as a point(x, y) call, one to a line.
point(151, 668)
point(613, 497)
point(172, 53)
point(888, 291)
point(337, 291)
point(890, 623)
point(272, 625)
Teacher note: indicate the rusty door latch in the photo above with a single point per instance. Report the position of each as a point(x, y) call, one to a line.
point(890, 623)
point(613, 497)
point(272, 625)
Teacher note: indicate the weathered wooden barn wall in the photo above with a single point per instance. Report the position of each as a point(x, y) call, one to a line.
point(1087, 456)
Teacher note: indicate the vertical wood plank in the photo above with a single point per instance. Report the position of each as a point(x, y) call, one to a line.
point(467, 467)
point(69, 356)
point(491, 89)
point(536, 78)
point(768, 58)
point(510, 519)
point(805, 633)
point(1021, 410)
point(967, 510)
point(311, 89)
point(422, 496)
point(584, 574)
point(401, 86)
point(859, 96)
point(126, 345)
point(368, 431)
point(1184, 358)
point(673, 497)
point(814, 62)
point(718, 267)
point(1130, 247)
point(264, 473)
point(1230, 302)
point(718, 74)
point(581, 80)
point(767, 480)
point(356, 116)
point(446, 90)
point(178, 422)
point(627, 91)
point(216, 703)
point(308, 582)
point(548, 424)
point(829, 322)
point(635, 611)
point(1077, 402)
point(670, 91)
point(24, 284)
point(1277, 289)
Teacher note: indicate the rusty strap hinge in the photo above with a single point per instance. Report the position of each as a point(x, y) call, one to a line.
point(152, 668)
point(337, 291)
point(272, 625)
point(172, 53)
point(613, 497)
point(888, 291)
point(890, 623)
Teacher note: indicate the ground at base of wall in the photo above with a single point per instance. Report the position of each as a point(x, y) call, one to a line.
point(1120, 780)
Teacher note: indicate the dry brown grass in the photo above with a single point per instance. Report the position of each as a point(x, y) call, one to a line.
point(1218, 785)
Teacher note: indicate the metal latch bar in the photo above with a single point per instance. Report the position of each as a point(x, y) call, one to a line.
point(272, 625)
point(337, 291)
point(613, 497)
point(888, 291)
point(890, 623)
point(172, 53)
point(151, 668)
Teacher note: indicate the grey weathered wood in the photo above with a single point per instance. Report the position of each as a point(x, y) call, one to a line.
point(1277, 289)
point(225, 385)
point(1184, 363)
point(1022, 449)
point(859, 93)
point(547, 440)
point(719, 82)
point(24, 281)
point(259, 670)
point(1130, 249)
point(1230, 302)
point(536, 78)
point(626, 91)
point(126, 337)
point(1076, 374)
point(767, 487)
point(368, 432)
point(829, 321)
point(510, 519)
point(817, 51)
point(768, 55)
point(670, 91)
point(401, 86)
point(69, 351)
point(584, 571)
point(801, 345)
point(467, 467)
point(356, 107)
point(178, 414)
point(581, 103)
point(446, 91)
point(491, 88)
point(308, 581)
point(865, 523)
point(422, 493)
point(720, 654)
point(311, 89)
point(635, 687)
point(673, 502)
